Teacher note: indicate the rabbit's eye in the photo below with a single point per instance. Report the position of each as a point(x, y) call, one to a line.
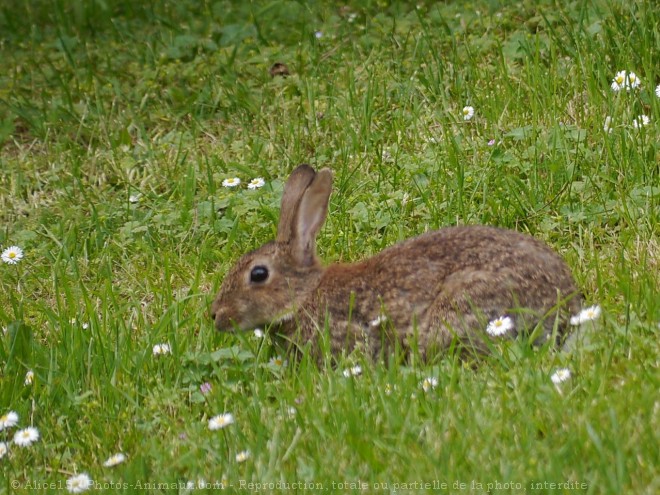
point(259, 274)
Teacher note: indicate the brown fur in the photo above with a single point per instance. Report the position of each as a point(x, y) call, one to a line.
point(432, 289)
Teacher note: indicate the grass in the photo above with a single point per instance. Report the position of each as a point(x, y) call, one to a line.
point(120, 120)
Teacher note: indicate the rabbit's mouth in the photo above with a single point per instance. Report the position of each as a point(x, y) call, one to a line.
point(230, 326)
point(224, 323)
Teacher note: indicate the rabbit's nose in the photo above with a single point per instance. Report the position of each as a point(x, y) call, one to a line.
point(216, 317)
point(213, 310)
point(216, 313)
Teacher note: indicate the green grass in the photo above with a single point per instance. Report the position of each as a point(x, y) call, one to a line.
point(103, 103)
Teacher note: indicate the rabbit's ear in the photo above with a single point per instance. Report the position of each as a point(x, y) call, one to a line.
point(312, 211)
point(294, 189)
point(304, 209)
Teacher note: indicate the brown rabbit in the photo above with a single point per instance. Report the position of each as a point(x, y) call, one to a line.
point(440, 287)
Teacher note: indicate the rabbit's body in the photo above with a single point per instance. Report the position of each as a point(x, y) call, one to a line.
point(429, 290)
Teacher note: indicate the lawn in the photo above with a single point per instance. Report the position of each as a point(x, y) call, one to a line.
point(125, 128)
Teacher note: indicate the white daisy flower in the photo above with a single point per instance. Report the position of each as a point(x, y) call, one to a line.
point(587, 314)
point(162, 349)
point(8, 420)
point(641, 121)
point(29, 378)
point(278, 361)
point(259, 333)
point(256, 183)
point(115, 459)
point(4, 449)
point(624, 80)
point(429, 383)
point(221, 421)
point(353, 371)
point(26, 437)
point(12, 255)
point(468, 112)
point(657, 91)
point(607, 125)
point(499, 326)
point(231, 182)
point(243, 456)
point(619, 80)
point(561, 375)
point(79, 483)
point(633, 80)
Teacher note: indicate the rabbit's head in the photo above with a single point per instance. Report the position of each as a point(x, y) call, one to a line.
point(266, 285)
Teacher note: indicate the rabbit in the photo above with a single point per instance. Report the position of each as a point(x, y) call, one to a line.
point(424, 294)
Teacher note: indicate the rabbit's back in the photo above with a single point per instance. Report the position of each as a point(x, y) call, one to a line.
point(445, 284)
